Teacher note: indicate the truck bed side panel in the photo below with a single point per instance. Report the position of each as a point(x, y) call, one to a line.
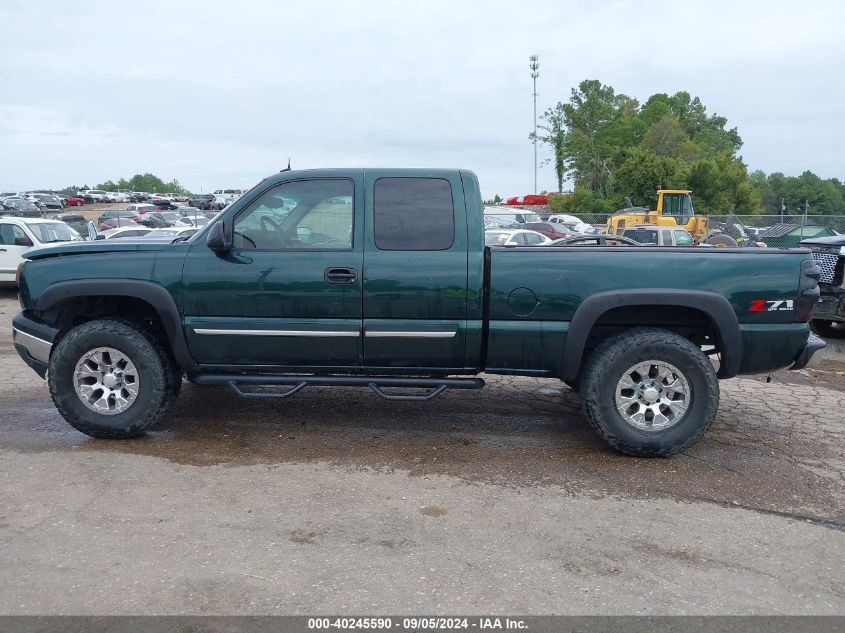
point(534, 293)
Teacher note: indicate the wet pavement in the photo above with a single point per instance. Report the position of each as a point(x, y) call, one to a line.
point(497, 500)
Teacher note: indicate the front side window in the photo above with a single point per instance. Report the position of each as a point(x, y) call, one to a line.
point(413, 214)
point(300, 215)
point(532, 239)
point(9, 233)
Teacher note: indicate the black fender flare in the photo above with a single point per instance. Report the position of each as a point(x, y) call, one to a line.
point(714, 305)
point(152, 293)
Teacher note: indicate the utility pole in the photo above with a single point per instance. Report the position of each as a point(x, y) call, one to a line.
point(535, 72)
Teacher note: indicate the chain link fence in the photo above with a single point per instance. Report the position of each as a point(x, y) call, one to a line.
point(775, 230)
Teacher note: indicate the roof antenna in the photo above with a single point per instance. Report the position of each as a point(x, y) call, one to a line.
point(288, 167)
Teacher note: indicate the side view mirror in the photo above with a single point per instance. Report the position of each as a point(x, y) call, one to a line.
point(100, 236)
point(219, 237)
point(23, 241)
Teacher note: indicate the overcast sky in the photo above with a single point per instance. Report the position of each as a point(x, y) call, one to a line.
point(219, 94)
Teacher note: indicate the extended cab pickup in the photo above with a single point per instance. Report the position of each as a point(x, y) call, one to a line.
point(380, 278)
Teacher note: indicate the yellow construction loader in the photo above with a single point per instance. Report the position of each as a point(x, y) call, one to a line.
point(674, 209)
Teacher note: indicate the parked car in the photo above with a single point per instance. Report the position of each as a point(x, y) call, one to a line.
point(653, 235)
point(829, 315)
point(117, 196)
point(595, 240)
point(72, 201)
point(170, 234)
point(276, 292)
point(154, 220)
point(196, 220)
point(49, 201)
point(163, 204)
point(20, 207)
point(124, 232)
point(550, 230)
point(506, 217)
point(202, 201)
point(20, 235)
point(225, 197)
point(78, 223)
point(114, 218)
point(142, 208)
point(515, 237)
point(97, 195)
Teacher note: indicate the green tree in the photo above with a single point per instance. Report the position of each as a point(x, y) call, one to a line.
point(587, 147)
point(643, 172)
point(552, 124)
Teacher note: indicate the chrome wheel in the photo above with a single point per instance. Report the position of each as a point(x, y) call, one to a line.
point(653, 395)
point(106, 381)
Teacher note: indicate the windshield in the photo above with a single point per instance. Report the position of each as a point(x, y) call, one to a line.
point(48, 233)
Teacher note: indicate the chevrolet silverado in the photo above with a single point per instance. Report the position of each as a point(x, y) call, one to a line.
point(380, 278)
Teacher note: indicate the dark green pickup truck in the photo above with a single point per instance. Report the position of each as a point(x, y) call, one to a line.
point(380, 278)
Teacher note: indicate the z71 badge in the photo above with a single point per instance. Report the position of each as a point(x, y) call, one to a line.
point(761, 305)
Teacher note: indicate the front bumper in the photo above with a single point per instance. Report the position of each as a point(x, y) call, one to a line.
point(808, 356)
point(33, 341)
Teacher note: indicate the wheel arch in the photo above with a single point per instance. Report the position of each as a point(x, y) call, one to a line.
point(714, 306)
point(154, 296)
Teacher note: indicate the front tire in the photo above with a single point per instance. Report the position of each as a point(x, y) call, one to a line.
point(111, 378)
point(828, 329)
point(649, 392)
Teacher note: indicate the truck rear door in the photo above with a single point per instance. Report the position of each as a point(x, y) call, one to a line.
point(415, 270)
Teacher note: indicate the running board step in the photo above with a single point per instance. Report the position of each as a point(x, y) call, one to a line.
point(261, 386)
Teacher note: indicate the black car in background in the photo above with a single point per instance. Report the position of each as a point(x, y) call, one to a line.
point(155, 220)
point(75, 221)
point(204, 201)
point(829, 313)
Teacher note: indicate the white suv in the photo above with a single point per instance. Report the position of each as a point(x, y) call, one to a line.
point(19, 235)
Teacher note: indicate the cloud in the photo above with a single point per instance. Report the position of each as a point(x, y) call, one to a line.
point(220, 94)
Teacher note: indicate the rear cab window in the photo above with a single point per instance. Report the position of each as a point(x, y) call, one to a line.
point(413, 214)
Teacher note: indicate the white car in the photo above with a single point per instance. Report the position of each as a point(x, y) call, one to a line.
point(506, 217)
point(516, 237)
point(117, 196)
point(19, 235)
point(97, 195)
point(224, 197)
point(574, 223)
point(123, 232)
point(170, 233)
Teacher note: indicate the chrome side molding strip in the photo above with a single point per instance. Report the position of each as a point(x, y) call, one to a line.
point(377, 334)
point(317, 333)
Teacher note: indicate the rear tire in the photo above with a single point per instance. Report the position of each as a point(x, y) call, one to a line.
point(828, 329)
point(112, 378)
point(670, 379)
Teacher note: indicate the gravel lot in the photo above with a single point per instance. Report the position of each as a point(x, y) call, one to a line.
point(495, 501)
